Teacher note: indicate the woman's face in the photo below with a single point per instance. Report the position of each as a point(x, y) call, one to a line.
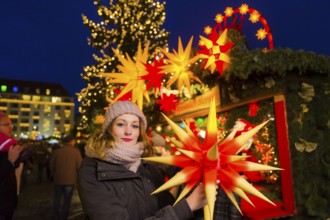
point(126, 129)
point(6, 126)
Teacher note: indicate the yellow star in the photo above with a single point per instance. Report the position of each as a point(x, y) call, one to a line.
point(131, 73)
point(178, 64)
point(207, 30)
point(261, 34)
point(254, 17)
point(244, 9)
point(218, 18)
point(216, 53)
point(229, 11)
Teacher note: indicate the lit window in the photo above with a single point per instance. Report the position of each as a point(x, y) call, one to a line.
point(56, 99)
point(38, 91)
point(47, 91)
point(35, 98)
point(15, 89)
point(26, 97)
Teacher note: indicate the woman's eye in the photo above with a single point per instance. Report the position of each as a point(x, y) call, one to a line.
point(136, 126)
point(120, 124)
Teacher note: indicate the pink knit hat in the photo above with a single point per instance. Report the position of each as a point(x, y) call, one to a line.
point(122, 107)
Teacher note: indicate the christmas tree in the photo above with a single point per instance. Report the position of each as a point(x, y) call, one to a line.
point(123, 24)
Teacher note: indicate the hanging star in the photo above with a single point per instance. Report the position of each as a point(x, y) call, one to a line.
point(178, 64)
point(253, 109)
point(259, 147)
point(154, 76)
point(254, 17)
point(261, 34)
point(127, 96)
point(131, 74)
point(207, 30)
point(244, 9)
point(211, 162)
point(218, 18)
point(266, 158)
point(229, 11)
point(168, 102)
point(215, 51)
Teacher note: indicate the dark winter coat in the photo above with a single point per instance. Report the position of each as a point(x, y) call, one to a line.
point(8, 185)
point(64, 165)
point(111, 191)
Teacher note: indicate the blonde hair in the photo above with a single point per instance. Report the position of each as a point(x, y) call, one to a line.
point(101, 141)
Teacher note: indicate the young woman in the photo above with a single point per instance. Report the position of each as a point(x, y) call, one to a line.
point(114, 183)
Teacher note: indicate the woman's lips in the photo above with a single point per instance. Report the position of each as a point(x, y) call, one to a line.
point(127, 139)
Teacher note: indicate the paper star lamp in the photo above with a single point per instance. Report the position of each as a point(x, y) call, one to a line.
point(154, 76)
point(127, 96)
point(131, 75)
point(168, 102)
point(261, 34)
point(178, 64)
point(244, 9)
point(215, 51)
point(210, 162)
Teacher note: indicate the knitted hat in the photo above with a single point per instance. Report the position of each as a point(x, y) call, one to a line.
point(119, 108)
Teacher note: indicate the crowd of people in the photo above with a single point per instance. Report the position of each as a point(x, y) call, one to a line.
point(112, 180)
point(54, 163)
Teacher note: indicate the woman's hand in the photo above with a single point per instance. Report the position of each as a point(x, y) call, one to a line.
point(197, 199)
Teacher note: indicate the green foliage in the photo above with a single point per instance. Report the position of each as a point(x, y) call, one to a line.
point(276, 63)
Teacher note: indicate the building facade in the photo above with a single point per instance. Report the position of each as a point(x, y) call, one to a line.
point(37, 109)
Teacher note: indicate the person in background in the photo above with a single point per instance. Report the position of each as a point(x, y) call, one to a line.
point(41, 157)
point(114, 183)
point(159, 144)
point(224, 209)
point(64, 165)
point(9, 154)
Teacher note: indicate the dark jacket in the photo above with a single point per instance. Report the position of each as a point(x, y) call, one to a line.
point(8, 185)
point(111, 191)
point(64, 165)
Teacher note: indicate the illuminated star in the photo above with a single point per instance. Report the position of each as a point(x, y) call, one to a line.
point(131, 74)
point(168, 102)
point(243, 9)
point(229, 11)
point(261, 34)
point(211, 162)
point(215, 50)
point(218, 18)
point(154, 76)
point(178, 64)
point(254, 17)
point(207, 30)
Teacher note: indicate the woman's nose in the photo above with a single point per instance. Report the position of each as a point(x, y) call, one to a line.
point(128, 130)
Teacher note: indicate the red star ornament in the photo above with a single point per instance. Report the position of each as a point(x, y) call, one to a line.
point(211, 161)
point(168, 102)
point(126, 96)
point(154, 76)
point(253, 109)
point(215, 51)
